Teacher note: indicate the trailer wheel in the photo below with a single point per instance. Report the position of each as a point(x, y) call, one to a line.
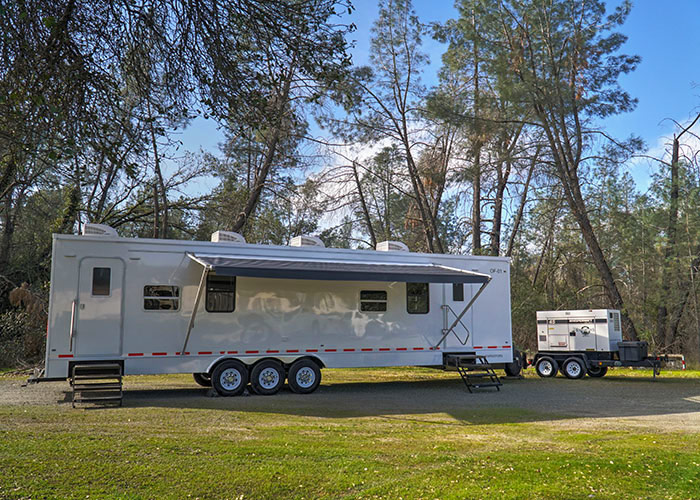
point(229, 378)
point(513, 369)
point(304, 376)
point(203, 379)
point(267, 377)
point(597, 371)
point(574, 368)
point(546, 367)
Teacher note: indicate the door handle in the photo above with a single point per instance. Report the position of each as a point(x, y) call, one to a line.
point(72, 326)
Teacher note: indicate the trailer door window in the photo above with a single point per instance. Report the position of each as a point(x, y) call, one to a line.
point(221, 293)
point(373, 300)
point(458, 292)
point(101, 278)
point(417, 298)
point(161, 298)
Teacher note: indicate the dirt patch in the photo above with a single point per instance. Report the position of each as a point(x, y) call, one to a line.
point(615, 403)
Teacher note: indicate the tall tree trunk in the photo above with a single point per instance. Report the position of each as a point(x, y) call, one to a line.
point(521, 206)
point(156, 213)
point(363, 204)
point(8, 230)
point(161, 183)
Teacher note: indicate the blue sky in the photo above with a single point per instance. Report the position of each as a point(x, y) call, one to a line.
point(665, 34)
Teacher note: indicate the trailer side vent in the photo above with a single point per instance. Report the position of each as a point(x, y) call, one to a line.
point(306, 241)
point(616, 322)
point(391, 246)
point(227, 237)
point(99, 230)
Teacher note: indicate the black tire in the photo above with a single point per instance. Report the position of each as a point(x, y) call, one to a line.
point(229, 378)
point(597, 371)
point(267, 377)
point(203, 379)
point(574, 368)
point(513, 369)
point(546, 367)
point(304, 376)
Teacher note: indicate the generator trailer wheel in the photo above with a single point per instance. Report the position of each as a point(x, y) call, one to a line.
point(597, 371)
point(304, 376)
point(546, 367)
point(267, 377)
point(203, 379)
point(229, 378)
point(574, 368)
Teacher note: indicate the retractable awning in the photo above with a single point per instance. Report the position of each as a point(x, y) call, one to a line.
point(260, 267)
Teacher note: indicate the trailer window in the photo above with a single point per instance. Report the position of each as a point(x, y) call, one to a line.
point(458, 292)
point(101, 277)
point(221, 293)
point(161, 298)
point(417, 298)
point(373, 300)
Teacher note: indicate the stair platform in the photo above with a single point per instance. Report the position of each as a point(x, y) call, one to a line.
point(475, 371)
point(96, 383)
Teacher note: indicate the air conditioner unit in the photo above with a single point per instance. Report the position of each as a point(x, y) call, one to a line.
point(227, 237)
point(99, 230)
point(306, 241)
point(391, 246)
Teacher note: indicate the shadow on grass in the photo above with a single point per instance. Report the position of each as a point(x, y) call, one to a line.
point(519, 401)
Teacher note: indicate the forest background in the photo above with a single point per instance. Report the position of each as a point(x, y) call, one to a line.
point(494, 130)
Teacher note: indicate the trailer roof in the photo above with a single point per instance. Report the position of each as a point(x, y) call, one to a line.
point(314, 269)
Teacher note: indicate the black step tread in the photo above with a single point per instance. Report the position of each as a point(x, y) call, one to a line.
point(487, 384)
point(95, 387)
point(479, 375)
point(97, 398)
point(96, 376)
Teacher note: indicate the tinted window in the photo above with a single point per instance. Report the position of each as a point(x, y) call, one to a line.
point(373, 300)
point(161, 297)
point(458, 292)
point(221, 293)
point(101, 277)
point(417, 298)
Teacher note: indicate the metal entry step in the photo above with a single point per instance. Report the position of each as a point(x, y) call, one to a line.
point(475, 371)
point(96, 383)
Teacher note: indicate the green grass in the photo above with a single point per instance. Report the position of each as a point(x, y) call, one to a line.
point(53, 451)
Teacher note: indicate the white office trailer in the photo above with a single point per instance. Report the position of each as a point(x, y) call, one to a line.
point(231, 312)
point(580, 342)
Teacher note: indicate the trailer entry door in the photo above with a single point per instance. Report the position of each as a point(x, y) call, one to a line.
point(98, 325)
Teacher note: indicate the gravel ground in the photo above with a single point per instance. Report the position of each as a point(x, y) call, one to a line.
point(664, 404)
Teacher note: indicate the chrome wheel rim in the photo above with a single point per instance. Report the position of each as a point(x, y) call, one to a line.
point(230, 379)
point(546, 368)
point(305, 377)
point(269, 378)
point(573, 369)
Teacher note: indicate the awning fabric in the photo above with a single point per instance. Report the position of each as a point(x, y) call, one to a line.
point(327, 270)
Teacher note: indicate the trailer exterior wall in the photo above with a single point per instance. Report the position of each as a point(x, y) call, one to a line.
point(281, 318)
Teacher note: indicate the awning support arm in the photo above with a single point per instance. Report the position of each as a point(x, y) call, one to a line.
point(197, 298)
point(447, 331)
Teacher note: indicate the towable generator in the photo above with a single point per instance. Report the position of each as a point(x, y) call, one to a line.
point(234, 313)
point(586, 342)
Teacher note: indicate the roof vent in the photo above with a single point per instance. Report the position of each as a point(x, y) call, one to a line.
point(306, 241)
point(227, 237)
point(391, 246)
point(99, 230)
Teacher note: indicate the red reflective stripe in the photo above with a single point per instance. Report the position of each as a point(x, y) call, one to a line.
point(478, 347)
point(135, 354)
point(270, 351)
point(160, 353)
point(384, 349)
point(251, 352)
point(331, 350)
point(312, 350)
point(506, 347)
point(367, 349)
point(418, 348)
point(222, 352)
point(204, 352)
point(232, 352)
point(401, 349)
point(348, 350)
point(186, 354)
point(292, 350)
point(65, 355)
point(493, 347)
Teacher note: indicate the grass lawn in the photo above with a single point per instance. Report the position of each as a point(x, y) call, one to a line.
point(49, 450)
